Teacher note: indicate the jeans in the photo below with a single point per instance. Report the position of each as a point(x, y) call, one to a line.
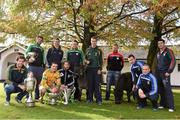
point(112, 78)
point(10, 88)
point(37, 72)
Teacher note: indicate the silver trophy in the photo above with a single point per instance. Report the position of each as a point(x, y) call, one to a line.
point(53, 97)
point(30, 84)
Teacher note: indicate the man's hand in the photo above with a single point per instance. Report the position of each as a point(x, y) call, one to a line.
point(141, 93)
point(99, 72)
point(167, 74)
point(134, 86)
point(22, 87)
point(87, 62)
point(63, 87)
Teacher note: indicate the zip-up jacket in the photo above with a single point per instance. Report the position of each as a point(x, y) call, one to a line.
point(166, 61)
point(16, 76)
point(54, 55)
point(115, 61)
point(75, 57)
point(136, 70)
point(67, 77)
point(94, 55)
point(39, 55)
point(148, 83)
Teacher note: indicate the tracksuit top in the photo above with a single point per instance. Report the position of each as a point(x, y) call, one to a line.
point(166, 61)
point(67, 77)
point(136, 70)
point(50, 78)
point(148, 83)
point(94, 55)
point(54, 55)
point(75, 57)
point(15, 75)
point(39, 55)
point(115, 61)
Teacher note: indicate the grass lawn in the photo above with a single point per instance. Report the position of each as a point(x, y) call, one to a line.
point(82, 110)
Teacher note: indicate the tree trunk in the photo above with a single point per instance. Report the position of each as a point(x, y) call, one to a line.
point(153, 48)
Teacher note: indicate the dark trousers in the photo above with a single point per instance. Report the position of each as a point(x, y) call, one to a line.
point(94, 84)
point(77, 70)
point(164, 90)
point(142, 102)
point(10, 88)
point(37, 72)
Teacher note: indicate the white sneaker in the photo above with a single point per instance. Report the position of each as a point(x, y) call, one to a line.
point(171, 110)
point(7, 103)
point(161, 107)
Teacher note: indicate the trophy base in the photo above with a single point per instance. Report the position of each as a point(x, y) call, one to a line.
point(53, 102)
point(30, 104)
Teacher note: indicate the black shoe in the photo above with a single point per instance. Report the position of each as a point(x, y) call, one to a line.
point(106, 99)
point(117, 102)
point(18, 101)
point(99, 103)
point(89, 102)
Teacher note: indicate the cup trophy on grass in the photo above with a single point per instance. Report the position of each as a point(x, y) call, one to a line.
point(53, 96)
point(30, 83)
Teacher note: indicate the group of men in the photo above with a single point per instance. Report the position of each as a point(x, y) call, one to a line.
point(145, 84)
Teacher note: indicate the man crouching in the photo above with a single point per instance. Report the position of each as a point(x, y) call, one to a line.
point(67, 80)
point(50, 81)
point(146, 88)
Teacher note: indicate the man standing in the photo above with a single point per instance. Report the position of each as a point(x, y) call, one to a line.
point(147, 88)
point(36, 62)
point(15, 80)
point(94, 61)
point(55, 53)
point(75, 58)
point(115, 63)
point(165, 65)
point(136, 69)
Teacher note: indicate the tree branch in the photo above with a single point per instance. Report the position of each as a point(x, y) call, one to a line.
point(170, 30)
point(134, 13)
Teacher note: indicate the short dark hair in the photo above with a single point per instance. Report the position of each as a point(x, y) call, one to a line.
point(54, 63)
point(115, 44)
point(162, 40)
point(40, 37)
point(145, 64)
point(57, 39)
point(131, 55)
point(75, 41)
point(20, 57)
point(94, 37)
point(66, 62)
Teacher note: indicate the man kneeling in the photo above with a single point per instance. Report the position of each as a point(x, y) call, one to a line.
point(67, 81)
point(15, 80)
point(146, 88)
point(50, 81)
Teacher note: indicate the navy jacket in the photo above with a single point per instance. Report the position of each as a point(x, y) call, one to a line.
point(166, 61)
point(136, 70)
point(148, 83)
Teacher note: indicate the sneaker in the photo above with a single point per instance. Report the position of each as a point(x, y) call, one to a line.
point(161, 107)
point(154, 109)
point(99, 103)
point(18, 101)
point(7, 103)
point(89, 102)
point(171, 110)
point(139, 107)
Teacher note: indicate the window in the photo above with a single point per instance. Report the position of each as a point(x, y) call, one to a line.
point(178, 67)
